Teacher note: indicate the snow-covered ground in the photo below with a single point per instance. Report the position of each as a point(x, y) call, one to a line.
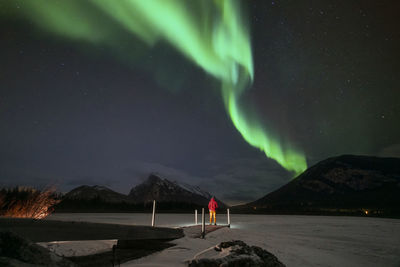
point(295, 240)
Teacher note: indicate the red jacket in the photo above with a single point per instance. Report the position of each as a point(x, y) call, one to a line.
point(212, 205)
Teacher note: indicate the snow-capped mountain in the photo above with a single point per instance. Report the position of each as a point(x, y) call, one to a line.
point(164, 191)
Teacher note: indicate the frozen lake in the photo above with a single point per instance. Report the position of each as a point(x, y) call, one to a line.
point(295, 240)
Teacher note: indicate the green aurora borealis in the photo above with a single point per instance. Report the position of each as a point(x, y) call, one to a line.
point(213, 34)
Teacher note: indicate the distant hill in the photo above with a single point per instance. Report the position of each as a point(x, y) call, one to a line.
point(348, 184)
point(95, 199)
point(103, 193)
point(170, 196)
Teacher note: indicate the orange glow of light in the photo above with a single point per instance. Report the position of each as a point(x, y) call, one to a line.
point(25, 202)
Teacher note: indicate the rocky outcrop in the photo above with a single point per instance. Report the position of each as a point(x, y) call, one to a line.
point(236, 253)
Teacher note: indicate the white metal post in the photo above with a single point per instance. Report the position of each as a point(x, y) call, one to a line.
point(203, 223)
point(195, 217)
point(229, 217)
point(153, 217)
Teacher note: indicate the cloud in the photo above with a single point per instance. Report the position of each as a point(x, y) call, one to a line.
point(234, 181)
point(390, 151)
point(139, 171)
point(245, 179)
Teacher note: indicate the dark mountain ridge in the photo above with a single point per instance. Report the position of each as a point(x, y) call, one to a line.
point(347, 184)
point(86, 192)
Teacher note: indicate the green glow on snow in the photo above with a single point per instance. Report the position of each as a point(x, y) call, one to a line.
point(211, 33)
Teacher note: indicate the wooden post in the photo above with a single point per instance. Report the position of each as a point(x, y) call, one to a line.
point(153, 217)
point(203, 224)
point(229, 217)
point(195, 217)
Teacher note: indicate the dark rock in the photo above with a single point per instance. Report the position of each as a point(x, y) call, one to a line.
point(240, 254)
point(17, 251)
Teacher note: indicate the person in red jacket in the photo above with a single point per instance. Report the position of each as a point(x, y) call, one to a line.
point(212, 206)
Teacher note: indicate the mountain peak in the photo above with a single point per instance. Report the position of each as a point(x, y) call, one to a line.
point(164, 190)
point(154, 178)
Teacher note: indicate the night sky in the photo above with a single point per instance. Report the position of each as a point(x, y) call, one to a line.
point(326, 77)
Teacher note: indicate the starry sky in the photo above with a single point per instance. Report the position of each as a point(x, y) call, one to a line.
point(71, 113)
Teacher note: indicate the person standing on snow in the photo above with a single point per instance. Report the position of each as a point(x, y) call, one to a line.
point(212, 206)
